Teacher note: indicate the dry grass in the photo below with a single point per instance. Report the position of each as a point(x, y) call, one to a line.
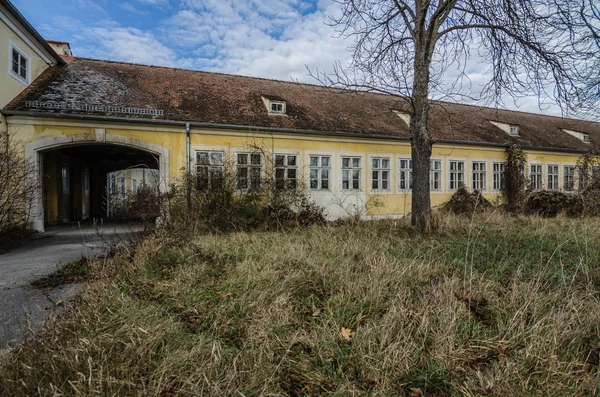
point(490, 306)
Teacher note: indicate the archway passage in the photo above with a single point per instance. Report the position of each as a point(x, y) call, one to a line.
point(76, 179)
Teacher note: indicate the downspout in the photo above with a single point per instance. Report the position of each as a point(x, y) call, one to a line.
point(188, 168)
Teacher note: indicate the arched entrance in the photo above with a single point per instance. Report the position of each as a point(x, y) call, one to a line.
point(72, 171)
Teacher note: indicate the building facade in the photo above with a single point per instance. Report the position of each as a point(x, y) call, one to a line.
point(81, 121)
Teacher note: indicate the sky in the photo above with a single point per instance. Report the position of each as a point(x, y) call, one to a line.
point(271, 39)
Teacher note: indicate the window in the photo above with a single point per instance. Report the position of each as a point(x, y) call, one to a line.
point(498, 170)
point(536, 176)
point(320, 168)
point(210, 169)
point(479, 169)
point(586, 137)
point(435, 174)
point(134, 186)
point(569, 178)
point(66, 183)
point(457, 174)
point(19, 64)
point(514, 130)
point(286, 171)
point(351, 173)
point(553, 177)
point(276, 107)
point(405, 174)
point(249, 171)
point(122, 187)
point(380, 173)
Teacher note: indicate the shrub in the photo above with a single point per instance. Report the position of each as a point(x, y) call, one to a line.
point(514, 178)
point(464, 203)
point(549, 203)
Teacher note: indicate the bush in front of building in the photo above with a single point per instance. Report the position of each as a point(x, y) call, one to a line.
point(549, 203)
point(224, 208)
point(464, 202)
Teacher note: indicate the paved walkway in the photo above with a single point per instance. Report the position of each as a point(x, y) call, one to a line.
point(23, 308)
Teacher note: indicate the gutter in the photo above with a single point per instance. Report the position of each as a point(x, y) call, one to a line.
point(250, 128)
point(187, 148)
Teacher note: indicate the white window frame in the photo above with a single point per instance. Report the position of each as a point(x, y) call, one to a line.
point(539, 176)
point(570, 175)
point(405, 174)
point(351, 170)
point(13, 46)
point(554, 183)
point(479, 177)
point(212, 169)
point(457, 172)
point(432, 173)
point(380, 170)
point(249, 166)
point(276, 103)
point(286, 167)
point(320, 168)
point(498, 176)
point(513, 130)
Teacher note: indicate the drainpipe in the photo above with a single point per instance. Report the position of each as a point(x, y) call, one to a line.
point(188, 147)
point(187, 166)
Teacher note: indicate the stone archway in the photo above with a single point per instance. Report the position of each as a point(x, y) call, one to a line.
point(33, 151)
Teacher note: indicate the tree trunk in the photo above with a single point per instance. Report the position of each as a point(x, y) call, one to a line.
point(420, 140)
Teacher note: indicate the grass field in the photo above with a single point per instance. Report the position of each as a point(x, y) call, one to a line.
point(490, 306)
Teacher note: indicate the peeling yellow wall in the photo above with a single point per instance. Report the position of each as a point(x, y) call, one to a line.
point(392, 202)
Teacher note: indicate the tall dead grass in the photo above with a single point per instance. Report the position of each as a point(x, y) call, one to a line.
point(488, 306)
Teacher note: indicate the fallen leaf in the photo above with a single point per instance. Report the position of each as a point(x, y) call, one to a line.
point(347, 333)
point(59, 302)
point(316, 313)
point(415, 392)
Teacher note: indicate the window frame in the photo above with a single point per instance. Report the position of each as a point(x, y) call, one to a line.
point(555, 179)
point(360, 169)
point(501, 176)
point(276, 103)
point(286, 167)
point(480, 173)
point(320, 169)
point(12, 46)
point(541, 174)
point(450, 172)
point(380, 170)
point(513, 130)
point(440, 172)
point(210, 167)
point(566, 185)
point(407, 171)
point(249, 166)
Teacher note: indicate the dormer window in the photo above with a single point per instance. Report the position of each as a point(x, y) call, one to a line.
point(514, 130)
point(510, 129)
point(580, 135)
point(277, 107)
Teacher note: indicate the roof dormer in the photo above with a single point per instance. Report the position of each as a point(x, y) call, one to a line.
point(275, 106)
point(404, 116)
point(510, 129)
point(579, 135)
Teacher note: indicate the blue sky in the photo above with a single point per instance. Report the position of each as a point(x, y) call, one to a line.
point(276, 39)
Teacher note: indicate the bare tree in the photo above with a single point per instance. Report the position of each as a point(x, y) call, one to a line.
point(547, 48)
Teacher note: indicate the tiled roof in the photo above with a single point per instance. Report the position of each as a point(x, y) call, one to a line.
point(193, 96)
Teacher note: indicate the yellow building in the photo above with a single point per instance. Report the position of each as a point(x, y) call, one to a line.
point(84, 120)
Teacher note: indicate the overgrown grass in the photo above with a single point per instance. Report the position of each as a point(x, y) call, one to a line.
point(489, 306)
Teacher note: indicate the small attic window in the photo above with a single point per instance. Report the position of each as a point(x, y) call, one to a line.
point(586, 137)
point(514, 130)
point(276, 107)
